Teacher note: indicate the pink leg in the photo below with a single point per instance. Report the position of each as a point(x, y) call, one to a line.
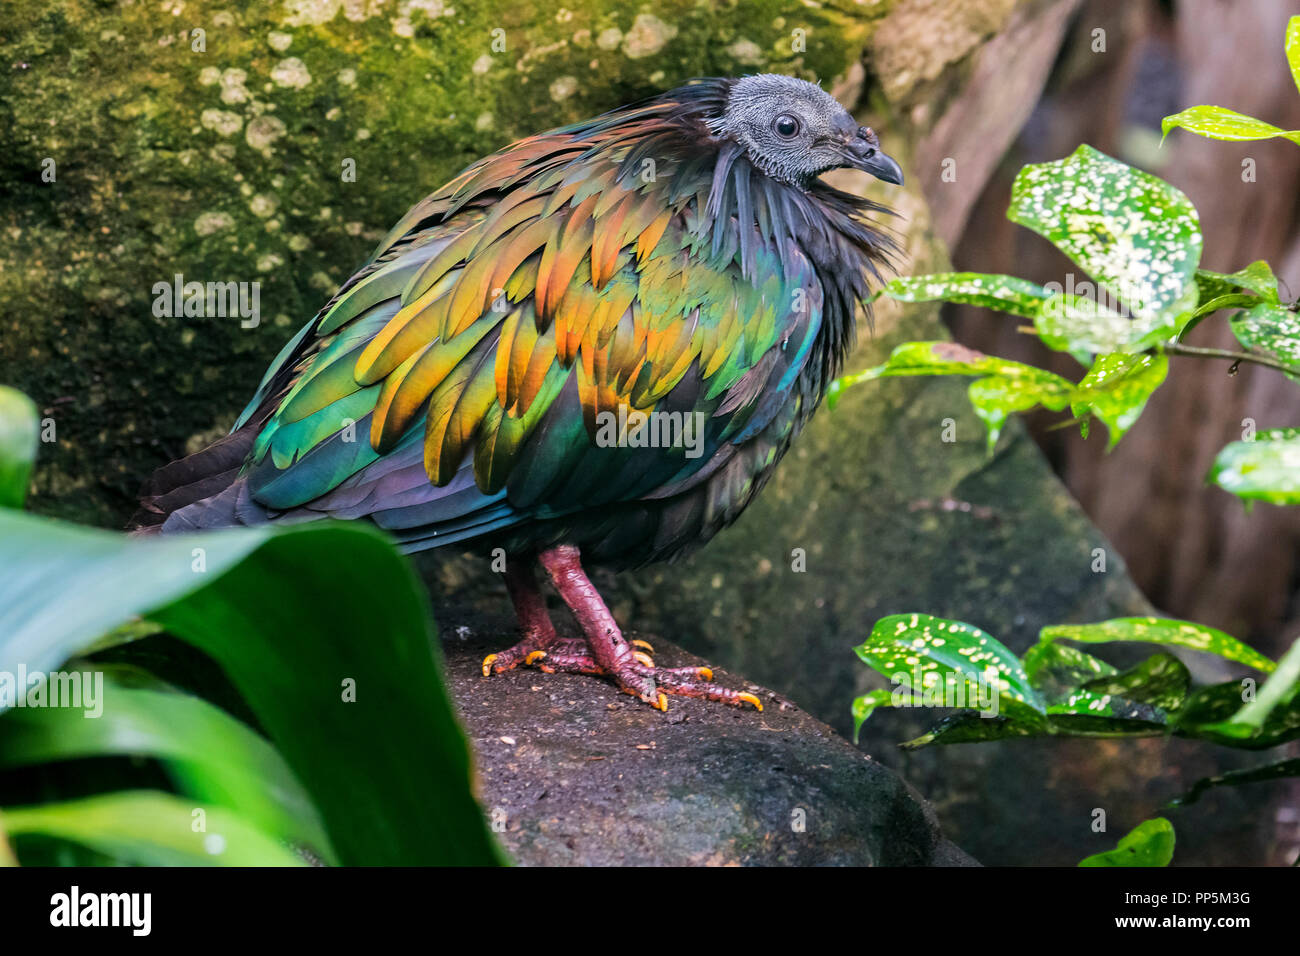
point(538, 633)
point(611, 654)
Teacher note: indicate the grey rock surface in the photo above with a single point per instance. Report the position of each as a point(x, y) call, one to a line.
point(579, 773)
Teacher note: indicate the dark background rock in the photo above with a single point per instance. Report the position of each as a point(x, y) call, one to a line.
point(577, 772)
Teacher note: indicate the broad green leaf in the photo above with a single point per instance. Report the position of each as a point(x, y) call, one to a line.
point(19, 438)
point(213, 757)
point(1208, 713)
point(1273, 329)
point(1264, 469)
point(1277, 770)
point(950, 358)
point(865, 704)
point(1009, 386)
point(996, 397)
point(1159, 630)
point(1076, 684)
point(1003, 293)
point(1057, 668)
point(1293, 48)
point(152, 829)
point(1117, 387)
point(1148, 844)
point(294, 617)
point(1134, 233)
point(7, 857)
point(1257, 278)
point(931, 655)
point(1232, 300)
point(1085, 326)
point(1161, 680)
point(1217, 122)
point(1065, 321)
point(1064, 723)
point(969, 727)
point(1281, 687)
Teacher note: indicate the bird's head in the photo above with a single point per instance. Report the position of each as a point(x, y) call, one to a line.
point(794, 131)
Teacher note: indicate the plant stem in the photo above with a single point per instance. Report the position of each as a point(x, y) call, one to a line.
point(1175, 348)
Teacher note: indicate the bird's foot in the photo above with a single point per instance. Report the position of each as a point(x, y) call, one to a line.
point(604, 651)
point(512, 657)
point(637, 674)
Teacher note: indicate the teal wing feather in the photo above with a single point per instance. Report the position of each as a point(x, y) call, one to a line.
point(508, 316)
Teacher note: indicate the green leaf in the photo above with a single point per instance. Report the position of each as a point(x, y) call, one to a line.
point(1273, 329)
point(1064, 321)
point(1233, 300)
point(1009, 386)
point(1117, 387)
point(1265, 469)
point(293, 616)
point(1256, 277)
point(19, 437)
point(1059, 671)
point(1161, 680)
point(1277, 770)
point(865, 704)
point(1084, 326)
point(969, 727)
point(996, 397)
point(1148, 844)
point(152, 829)
point(1003, 293)
point(1217, 122)
point(1281, 687)
point(1159, 630)
point(1293, 48)
point(212, 756)
point(1208, 713)
point(1134, 233)
point(1076, 684)
point(949, 358)
point(931, 655)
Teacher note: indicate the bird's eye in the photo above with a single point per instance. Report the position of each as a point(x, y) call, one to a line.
point(785, 125)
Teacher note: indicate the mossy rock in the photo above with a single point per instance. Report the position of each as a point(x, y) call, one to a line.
point(221, 156)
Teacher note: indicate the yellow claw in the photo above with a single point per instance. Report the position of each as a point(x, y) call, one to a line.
point(534, 656)
point(751, 699)
point(487, 665)
point(663, 702)
point(644, 645)
point(643, 659)
point(706, 674)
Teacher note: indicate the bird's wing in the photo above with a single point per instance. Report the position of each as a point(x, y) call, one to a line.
point(547, 284)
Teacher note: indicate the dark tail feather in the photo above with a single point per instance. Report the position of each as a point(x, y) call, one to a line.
point(202, 475)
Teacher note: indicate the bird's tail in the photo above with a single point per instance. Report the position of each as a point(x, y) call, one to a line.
point(204, 476)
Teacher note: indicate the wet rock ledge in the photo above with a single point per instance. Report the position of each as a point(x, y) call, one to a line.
point(581, 774)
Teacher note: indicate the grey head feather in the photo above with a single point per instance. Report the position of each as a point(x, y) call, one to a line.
point(789, 128)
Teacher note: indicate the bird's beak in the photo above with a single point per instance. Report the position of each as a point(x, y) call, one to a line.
point(863, 152)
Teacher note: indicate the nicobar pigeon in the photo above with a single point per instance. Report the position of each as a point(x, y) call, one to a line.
point(481, 381)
